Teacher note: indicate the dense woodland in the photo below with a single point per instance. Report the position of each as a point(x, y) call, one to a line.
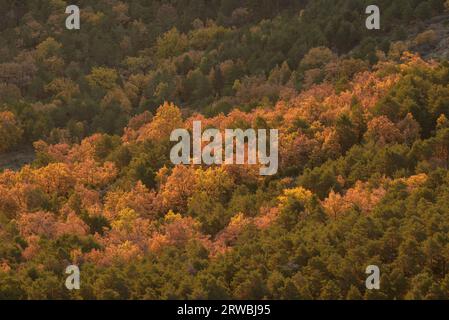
point(364, 150)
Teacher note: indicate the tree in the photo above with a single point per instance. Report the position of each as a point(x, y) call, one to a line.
point(316, 58)
point(168, 117)
point(293, 204)
point(10, 131)
point(171, 43)
point(48, 48)
point(347, 134)
point(410, 129)
point(63, 88)
point(102, 78)
point(382, 131)
point(217, 80)
point(428, 37)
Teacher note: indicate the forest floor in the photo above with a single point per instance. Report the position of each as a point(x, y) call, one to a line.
point(16, 159)
point(440, 49)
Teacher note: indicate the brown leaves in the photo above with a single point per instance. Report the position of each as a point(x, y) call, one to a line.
point(362, 196)
point(382, 131)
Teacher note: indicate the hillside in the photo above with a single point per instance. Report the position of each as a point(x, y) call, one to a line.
point(131, 57)
point(363, 150)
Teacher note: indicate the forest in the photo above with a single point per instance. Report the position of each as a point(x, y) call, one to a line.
point(363, 177)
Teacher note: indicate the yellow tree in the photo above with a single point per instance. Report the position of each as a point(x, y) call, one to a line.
point(48, 48)
point(168, 117)
point(63, 88)
point(101, 77)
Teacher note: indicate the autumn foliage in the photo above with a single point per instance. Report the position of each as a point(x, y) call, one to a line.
point(363, 153)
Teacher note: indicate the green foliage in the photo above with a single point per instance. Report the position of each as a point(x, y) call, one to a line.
point(369, 185)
